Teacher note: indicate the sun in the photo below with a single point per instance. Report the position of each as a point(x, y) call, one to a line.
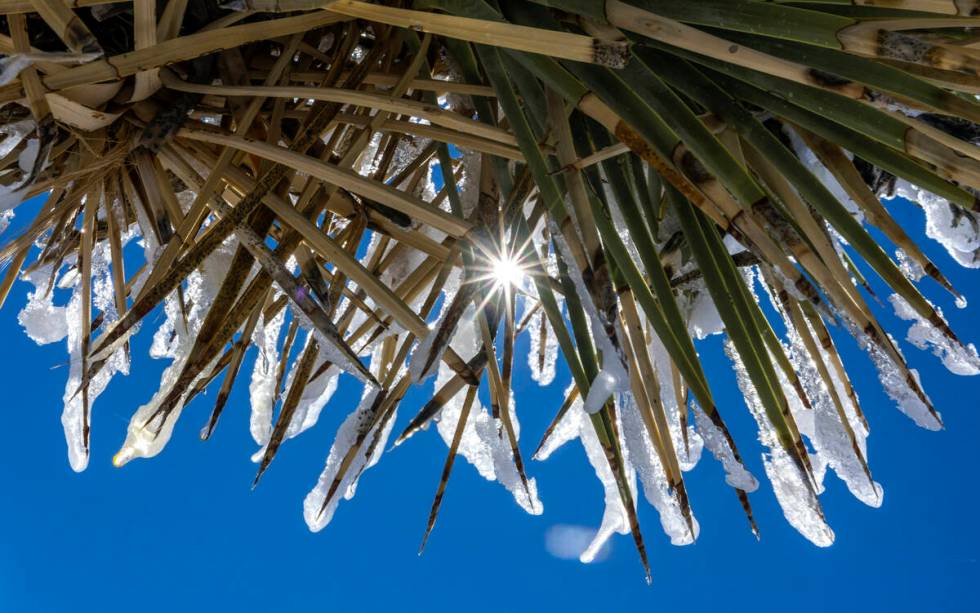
point(506, 271)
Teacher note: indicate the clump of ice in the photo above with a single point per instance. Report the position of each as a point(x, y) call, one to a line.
point(955, 228)
point(957, 358)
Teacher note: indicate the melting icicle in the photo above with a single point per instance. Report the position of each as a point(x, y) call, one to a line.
point(576, 424)
point(148, 431)
point(345, 439)
point(800, 506)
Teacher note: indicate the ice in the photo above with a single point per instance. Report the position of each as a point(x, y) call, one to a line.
point(576, 424)
point(714, 439)
point(954, 228)
point(316, 395)
point(824, 428)
point(958, 359)
point(653, 478)
point(420, 356)
point(347, 436)
point(603, 386)
point(613, 376)
point(689, 444)
point(149, 431)
point(800, 505)
point(5, 218)
point(542, 372)
point(912, 270)
point(484, 443)
point(262, 387)
point(895, 383)
point(42, 320)
point(826, 177)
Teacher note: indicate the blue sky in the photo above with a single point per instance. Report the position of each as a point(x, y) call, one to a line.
point(183, 531)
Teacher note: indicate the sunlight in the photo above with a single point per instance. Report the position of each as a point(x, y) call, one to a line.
point(506, 271)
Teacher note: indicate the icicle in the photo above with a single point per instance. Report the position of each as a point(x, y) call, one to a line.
point(576, 424)
point(656, 487)
point(483, 444)
point(344, 440)
point(262, 387)
point(800, 506)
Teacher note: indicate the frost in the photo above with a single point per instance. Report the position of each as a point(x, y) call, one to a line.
point(957, 358)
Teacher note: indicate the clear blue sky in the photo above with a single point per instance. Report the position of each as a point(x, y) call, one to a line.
point(184, 532)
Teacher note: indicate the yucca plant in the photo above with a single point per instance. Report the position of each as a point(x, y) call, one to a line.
point(397, 190)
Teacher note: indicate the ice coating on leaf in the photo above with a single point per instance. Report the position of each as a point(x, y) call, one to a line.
point(823, 426)
point(262, 387)
point(736, 474)
point(576, 424)
point(542, 371)
point(912, 270)
point(896, 385)
point(954, 228)
point(653, 478)
point(420, 356)
point(689, 451)
point(316, 395)
point(343, 442)
point(800, 506)
point(149, 431)
point(484, 443)
point(958, 359)
point(73, 415)
point(613, 376)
